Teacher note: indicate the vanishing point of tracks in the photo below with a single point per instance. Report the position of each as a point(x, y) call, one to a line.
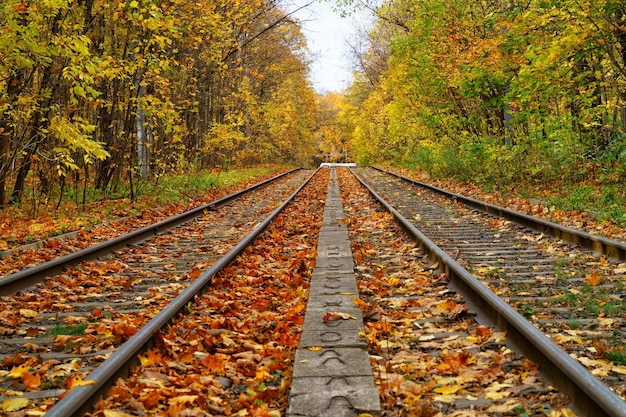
point(96, 312)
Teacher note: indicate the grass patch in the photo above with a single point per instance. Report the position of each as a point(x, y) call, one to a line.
point(618, 357)
point(75, 330)
point(19, 224)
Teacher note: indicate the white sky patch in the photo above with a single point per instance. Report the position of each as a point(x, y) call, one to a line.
point(327, 35)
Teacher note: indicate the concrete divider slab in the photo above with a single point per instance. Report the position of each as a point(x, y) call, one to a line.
point(348, 402)
point(332, 374)
point(332, 362)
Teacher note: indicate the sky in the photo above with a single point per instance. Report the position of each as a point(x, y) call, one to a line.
point(327, 34)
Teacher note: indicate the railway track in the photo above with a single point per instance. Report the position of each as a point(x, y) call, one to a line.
point(230, 350)
point(55, 331)
point(572, 295)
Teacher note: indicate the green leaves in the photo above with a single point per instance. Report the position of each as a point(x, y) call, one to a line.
point(496, 93)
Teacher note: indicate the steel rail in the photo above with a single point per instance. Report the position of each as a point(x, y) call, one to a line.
point(588, 396)
point(29, 277)
point(81, 398)
point(598, 244)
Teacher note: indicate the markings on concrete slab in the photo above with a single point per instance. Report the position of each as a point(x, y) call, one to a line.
point(334, 378)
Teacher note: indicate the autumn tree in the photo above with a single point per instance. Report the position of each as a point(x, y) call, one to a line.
point(96, 92)
point(502, 90)
point(333, 132)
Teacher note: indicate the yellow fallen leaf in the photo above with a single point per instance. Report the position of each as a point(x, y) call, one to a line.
point(620, 269)
point(446, 380)
point(14, 404)
point(563, 339)
point(567, 412)
point(24, 312)
point(619, 369)
point(315, 348)
point(183, 399)
point(84, 383)
point(497, 395)
point(19, 371)
point(115, 413)
point(447, 389)
point(393, 281)
point(497, 391)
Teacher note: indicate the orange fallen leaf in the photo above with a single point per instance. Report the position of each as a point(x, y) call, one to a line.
point(32, 382)
point(77, 381)
point(593, 279)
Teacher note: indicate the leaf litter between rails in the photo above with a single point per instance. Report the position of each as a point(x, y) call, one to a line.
point(233, 353)
point(430, 357)
point(88, 236)
point(81, 316)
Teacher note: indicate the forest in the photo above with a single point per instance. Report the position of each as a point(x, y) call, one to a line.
point(99, 96)
point(98, 93)
point(506, 94)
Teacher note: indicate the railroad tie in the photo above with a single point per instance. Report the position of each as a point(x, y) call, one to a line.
point(332, 374)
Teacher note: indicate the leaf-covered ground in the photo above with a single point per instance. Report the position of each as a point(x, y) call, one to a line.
point(232, 354)
point(537, 206)
point(53, 335)
point(94, 223)
point(430, 357)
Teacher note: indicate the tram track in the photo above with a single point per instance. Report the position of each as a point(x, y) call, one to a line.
point(25, 273)
point(55, 333)
point(434, 347)
point(540, 280)
point(433, 355)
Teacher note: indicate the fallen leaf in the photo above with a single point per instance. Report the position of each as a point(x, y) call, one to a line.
point(447, 389)
point(19, 371)
point(115, 413)
point(24, 312)
point(183, 399)
point(32, 382)
point(337, 316)
point(14, 404)
point(593, 279)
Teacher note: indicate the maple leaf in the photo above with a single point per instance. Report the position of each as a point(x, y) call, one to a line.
point(151, 358)
point(593, 279)
point(19, 371)
point(14, 404)
point(77, 381)
point(32, 382)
